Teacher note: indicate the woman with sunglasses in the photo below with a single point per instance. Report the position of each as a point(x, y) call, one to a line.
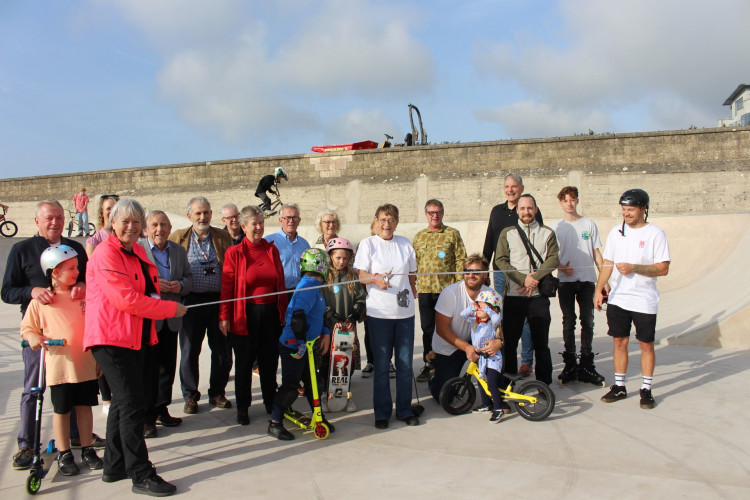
point(103, 226)
point(103, 230)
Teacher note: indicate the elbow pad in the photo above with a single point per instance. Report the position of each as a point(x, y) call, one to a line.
point(299, 324)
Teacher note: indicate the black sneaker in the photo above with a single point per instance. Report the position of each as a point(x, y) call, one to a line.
point(90, 459)
point(276, 429)
point(98, 443)
point(482, 409)
point(154, 486)
point(424, 374)
point(149, 430)
point(496, 416)
point(647, 400)
point(66, 463)
point(616, 393)
point(23, 458)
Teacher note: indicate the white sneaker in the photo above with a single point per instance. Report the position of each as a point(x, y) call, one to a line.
point(105, 409)
point(350, 406)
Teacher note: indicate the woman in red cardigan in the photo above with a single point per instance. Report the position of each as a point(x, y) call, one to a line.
point(252, 268)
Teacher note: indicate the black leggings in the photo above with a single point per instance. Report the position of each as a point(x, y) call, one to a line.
point(494, 379)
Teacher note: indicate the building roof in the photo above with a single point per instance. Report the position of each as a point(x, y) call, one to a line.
point(736, 93)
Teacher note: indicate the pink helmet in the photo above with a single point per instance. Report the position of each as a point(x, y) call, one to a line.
point(339, 243)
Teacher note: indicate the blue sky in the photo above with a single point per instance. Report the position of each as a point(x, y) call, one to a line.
point(97, 85)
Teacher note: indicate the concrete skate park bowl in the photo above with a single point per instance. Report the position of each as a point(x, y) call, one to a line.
point(705, 300)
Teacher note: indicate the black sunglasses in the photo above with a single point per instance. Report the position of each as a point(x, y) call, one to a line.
point(474, 272)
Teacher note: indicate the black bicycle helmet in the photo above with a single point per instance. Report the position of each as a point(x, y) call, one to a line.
point(634, 198)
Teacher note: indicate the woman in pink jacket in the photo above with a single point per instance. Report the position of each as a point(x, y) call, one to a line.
point(122, 299)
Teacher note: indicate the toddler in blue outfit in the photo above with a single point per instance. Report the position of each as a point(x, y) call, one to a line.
point(486, 315)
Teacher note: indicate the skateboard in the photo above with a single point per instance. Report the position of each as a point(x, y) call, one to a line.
point(315, 422)
point(339, 379)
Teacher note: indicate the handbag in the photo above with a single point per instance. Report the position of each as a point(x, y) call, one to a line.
point(547, 285)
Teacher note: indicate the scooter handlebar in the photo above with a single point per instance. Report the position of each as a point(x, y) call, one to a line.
point(58, 342)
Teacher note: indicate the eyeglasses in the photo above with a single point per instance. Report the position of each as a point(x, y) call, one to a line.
point(434, 213)
point(110, 197)
point(473, 272)
point(291, 218)
point(388, 221)
point(328, 222)
point(233, 217)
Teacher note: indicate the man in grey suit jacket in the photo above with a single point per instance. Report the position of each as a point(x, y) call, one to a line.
point(175, 281)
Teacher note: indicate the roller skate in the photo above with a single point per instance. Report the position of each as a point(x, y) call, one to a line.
point(570, 370)
point(587, 371)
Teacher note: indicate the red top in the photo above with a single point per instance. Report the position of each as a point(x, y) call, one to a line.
point(242, 265)
point(263, 278)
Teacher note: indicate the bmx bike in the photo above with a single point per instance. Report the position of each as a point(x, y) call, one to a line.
point(73, 225)
point(275, 208)
point(534, 400)
point(8, 228)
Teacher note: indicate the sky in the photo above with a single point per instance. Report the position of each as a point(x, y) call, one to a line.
point(99, 85)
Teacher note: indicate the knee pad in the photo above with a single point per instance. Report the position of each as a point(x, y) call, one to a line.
point(299, 324)
point(286, 396)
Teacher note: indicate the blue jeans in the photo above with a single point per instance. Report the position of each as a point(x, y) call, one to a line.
point(569, 293)
point(527, 346)
point(388, 337)
point(83, 222)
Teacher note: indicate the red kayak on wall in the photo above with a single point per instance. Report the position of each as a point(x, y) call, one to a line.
point(345, 147)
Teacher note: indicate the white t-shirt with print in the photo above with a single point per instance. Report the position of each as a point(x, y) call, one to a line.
point(376, 255)
point(454, 299)
point(643, 246)
point(577, 241)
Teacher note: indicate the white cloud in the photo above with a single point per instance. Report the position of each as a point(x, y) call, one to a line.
point(245, 69)
point(677, 61)
point(527, 119)
point(359, 125)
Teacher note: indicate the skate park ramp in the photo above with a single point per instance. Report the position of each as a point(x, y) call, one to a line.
point(705, 300)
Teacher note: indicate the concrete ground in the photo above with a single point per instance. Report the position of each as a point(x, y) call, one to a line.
point(694, 444)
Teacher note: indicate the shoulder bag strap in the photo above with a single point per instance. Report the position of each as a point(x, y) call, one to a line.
point(529, 248)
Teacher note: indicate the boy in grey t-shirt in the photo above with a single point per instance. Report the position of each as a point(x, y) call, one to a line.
point(578, 239)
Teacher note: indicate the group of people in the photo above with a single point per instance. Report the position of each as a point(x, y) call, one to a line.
point(258, 299)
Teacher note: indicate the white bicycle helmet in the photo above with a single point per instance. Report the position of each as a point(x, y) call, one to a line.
point(280, 172)
point(53, 256)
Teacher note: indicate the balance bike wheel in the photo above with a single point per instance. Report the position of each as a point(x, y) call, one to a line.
point(321, 430)
point(544, 405)
point(458, 395)
point(33, 482)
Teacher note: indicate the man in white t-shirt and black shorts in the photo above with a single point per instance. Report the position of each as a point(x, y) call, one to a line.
point(634, 256)
point(451, 342)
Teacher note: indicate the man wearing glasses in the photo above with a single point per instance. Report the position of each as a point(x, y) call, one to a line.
point(439, 249)
point(452, 339)
point(230, 216)
point(290, 244)
point(205, 246)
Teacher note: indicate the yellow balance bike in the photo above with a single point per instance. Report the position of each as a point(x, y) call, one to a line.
point(314, 423)
point(534, 400)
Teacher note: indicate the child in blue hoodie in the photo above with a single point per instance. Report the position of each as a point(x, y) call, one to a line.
point(304, 321)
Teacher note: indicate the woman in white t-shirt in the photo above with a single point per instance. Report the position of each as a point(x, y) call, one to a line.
point(385, 261)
